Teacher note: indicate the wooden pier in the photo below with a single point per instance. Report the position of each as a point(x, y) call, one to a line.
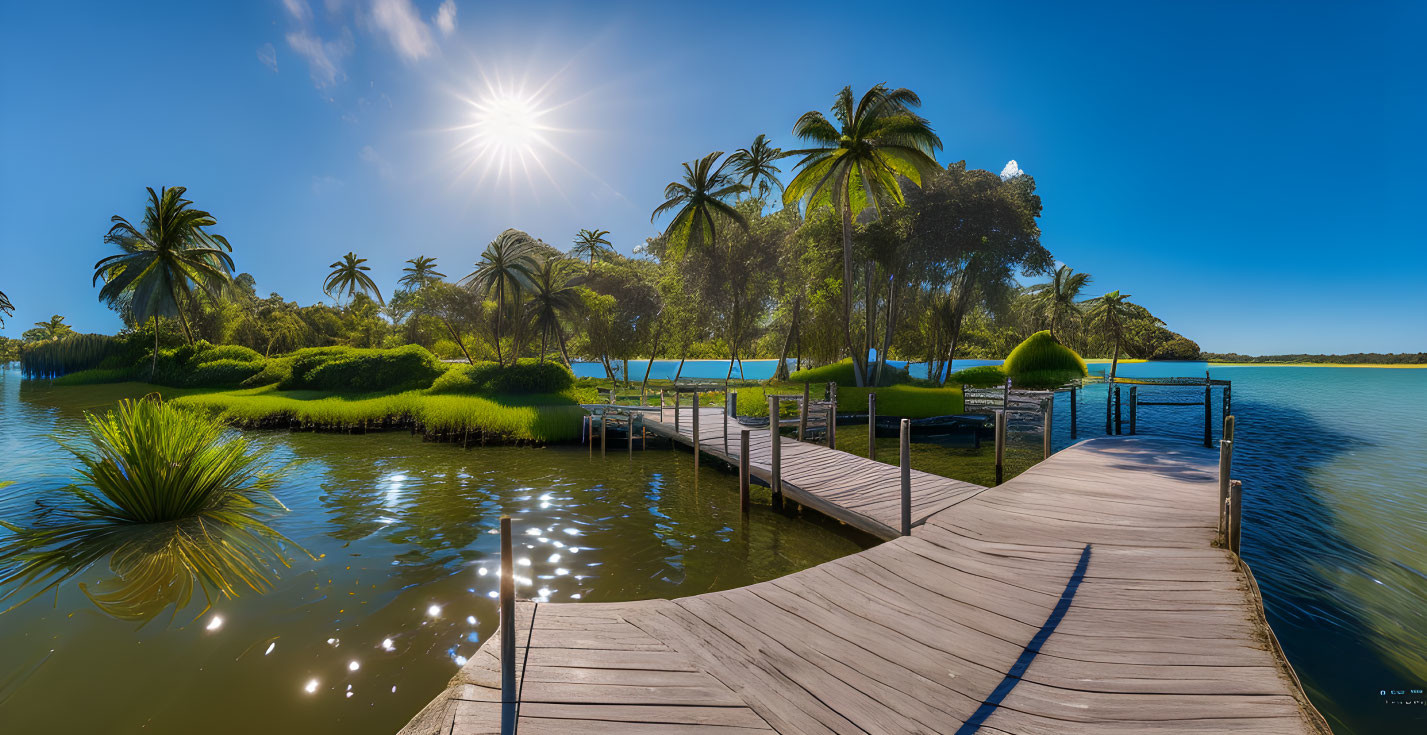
point(1085, 595)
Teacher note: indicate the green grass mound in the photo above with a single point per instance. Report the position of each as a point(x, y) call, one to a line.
point(1042, 362)
point(199, 365)
point(526, 376)
point(842, 374)
point(981, 376)
point(353, 370)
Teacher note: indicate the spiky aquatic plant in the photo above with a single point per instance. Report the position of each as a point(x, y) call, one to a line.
point(171, 501)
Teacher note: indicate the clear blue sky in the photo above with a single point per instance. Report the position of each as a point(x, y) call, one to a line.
point(1250, 172)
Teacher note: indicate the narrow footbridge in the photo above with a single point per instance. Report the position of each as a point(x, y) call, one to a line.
point(1084, 596)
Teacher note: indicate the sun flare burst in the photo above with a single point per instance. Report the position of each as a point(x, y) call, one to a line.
point(507, 134)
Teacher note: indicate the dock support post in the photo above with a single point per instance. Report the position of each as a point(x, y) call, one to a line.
point(604, 423)
point(695, 429)
point(743, 477)
point(1119, 423)
point(1226, 460)
point(507, 629)
point(1109, 399)
point(1000, 443)
point(1134, 406)
point(1236, 515)
point(677, 396)
point(629, 434)
point(1049, 426)
point(1208, 412)
point(832, 417)
point(872, 424)
point(730, 400)
point(775, 450)
point(906, 460)
point(1228, 403)
point(1073, 428)
point(803, 413)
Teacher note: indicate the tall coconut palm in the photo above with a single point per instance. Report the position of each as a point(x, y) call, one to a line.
point(1057, 301)
point(6, 308)
point(755, 168)
point(855, 164)
point(1110, 314)
point(421, 272)
point(702, 202)
point(506, 267)
point(349, 275)
point(592, 245)
point(554, 293)
point(163, 260)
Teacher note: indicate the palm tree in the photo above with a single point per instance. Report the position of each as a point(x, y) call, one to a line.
point(6, 308)
point(856, 164)
point(1058, 300)
point(592, 244)
point(421, 272)
point(506, 267)
point(754, 165)
point(348, 274)
point(53, 328)
point(553, 292)
point(1110, 313)
point(701, 200)
point(163, 260)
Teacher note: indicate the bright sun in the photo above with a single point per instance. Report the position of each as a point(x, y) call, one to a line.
point(506, 134)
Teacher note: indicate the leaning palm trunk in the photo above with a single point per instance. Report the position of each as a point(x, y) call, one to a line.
point(1110, 385)
point(869, 331)
point(887, 331)
point(649, 364)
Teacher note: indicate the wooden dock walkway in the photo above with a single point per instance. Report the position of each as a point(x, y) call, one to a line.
point(1083, 596)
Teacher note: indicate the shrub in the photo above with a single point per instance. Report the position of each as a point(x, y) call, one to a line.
point(526, 376)
point(842, 374)
point(981, 376)
point(363, 371)
point(222, 373)
point(1042, 362)
point(1179, 348)
point(227, 352)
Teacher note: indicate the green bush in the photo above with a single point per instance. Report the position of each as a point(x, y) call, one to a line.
point(227, 352)
point(361, 371)
point(981, 376)
point(222, 373)
point(842, 374)
point(1179, 348)
point(1042, 362)
point(526, 376)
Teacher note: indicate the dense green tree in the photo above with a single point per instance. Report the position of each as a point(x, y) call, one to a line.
point(857, 164)
point(52, 328)
point(505, 269)
point(163, 260)
point(421, 272)
point(592, 245)
point(350, 276)
point(702, 204)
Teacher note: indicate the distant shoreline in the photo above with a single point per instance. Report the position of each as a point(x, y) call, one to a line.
point(1319, 364)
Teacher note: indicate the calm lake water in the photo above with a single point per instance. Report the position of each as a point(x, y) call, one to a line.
point(1333, 462)
point(405, 532)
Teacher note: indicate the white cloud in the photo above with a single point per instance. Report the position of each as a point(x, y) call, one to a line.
point(445, 18)
point(323, 184)
point(1011, 171)
point(298, 9)
point(324, 58)
point(268, 55)
point(375, 160)
point(409, 35)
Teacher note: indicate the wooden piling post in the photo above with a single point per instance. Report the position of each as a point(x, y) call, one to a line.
point(775, 453)
point(696, 432)
point(1228, 426)
point(677, 395)
point(507, 629)
point(1000, 443)
point(1226, 459)
point(1049, 422)
point(743, 477)
point(832, 417)
point(1228, 401)
point(1073, 428)
point(1208, 412)
point(604, 425)
point(803, 413)
point(590, 425)
point(1119, 424)
point(872, 424)
point(1109, 399)
point(906, 460)
point(1134, 406)
point(1236, 515)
